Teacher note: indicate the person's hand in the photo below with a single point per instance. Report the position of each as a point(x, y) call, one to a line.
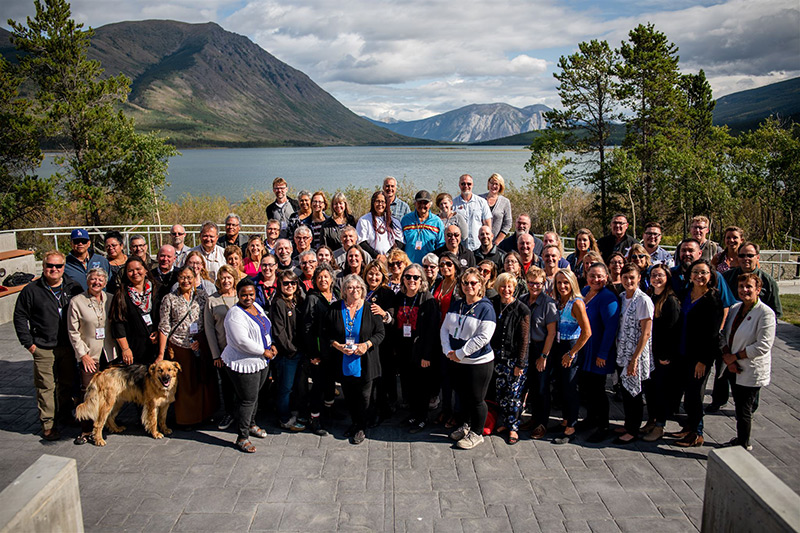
point(89, 364)
point(728, 358)
point(733, 367)
point(452, 356)
point(566, 360)
point(425, 363)
point(540, 364)
point(600, 363)
point(517, 371)
point(154, 337)
point(195, 345)
point(376, 310)
point(32, 349)
point(218, 363)
point(127, 356)
point(315, 361)
point(664, 362)
point(271, 352)
point(633, 367)
point(699, 371)
point(361, 348)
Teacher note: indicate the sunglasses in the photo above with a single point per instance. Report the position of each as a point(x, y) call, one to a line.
point(288, 283)
point(80, 241)
point(57, 266)
point(639, 256)
point(446, 263)
point(451, 235)
point(177, 233)
point(396, 264)
point(746, 256)
point(486, 271)
point(411, 277)
point(471, 283)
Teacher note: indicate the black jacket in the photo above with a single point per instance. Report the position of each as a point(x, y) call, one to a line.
point(37, 320)
point(510, 339)
point(466, 257)
point(286, 332)
point(134, 329)
point(331, 231)
point(314, 310)
point(701, 324)
point(424, 341)
point(294, 220)
point(495, 255)
point(371, 329)
point(667, 330)
point(608, 245)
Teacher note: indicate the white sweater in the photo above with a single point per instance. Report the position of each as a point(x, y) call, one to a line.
point(244, 352)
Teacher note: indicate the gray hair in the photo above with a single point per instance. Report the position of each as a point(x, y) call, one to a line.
point(354, 278)
point(207, 225)
point(283, 241)
point(97, 271)
point(307, 252)
point(423, 281)
point(302, 230)
point(431, 258)
point(136, 237)
point(304, 193)
point(347, 229)
point(233, 215)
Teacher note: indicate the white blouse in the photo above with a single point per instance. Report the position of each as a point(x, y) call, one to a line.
point(244, 352)
point(381, 240)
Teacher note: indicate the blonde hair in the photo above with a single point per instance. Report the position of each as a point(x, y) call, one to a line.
point(506, 278)
point(500, 181)
point(51, 253)
point(573, 282)
point(472, 271)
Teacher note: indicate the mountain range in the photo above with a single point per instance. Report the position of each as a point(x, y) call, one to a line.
point(746, 109)
point(472, 123)
point(205, 86)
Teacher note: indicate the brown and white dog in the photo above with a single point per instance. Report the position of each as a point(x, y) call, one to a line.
point(153, 388)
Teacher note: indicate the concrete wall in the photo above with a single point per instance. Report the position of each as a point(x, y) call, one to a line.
point(8, 242)
point(44, 498)
point(742, 495)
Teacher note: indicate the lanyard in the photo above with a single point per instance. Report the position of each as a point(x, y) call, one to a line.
point(406, 310)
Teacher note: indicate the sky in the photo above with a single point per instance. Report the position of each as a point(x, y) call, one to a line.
point(411, 59)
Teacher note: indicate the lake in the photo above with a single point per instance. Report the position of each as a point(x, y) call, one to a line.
point(236, 172)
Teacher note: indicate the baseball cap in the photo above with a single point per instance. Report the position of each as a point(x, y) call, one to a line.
point(423, 196)
point(79, 233)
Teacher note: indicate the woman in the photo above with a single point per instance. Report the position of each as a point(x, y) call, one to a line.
point(430, 264)
point(182, 338)
point(255, 251)
point(266, 283)
point(584, 242)
point(634, 356)
point(701, 319)
point(134, 314)
point(304, 201)
point(544, 322)
point(446, 293)
point(217, 307)
point(380, 298)
point(597, 359)
point(416, 323)
point(588, 260)
point(500, 207)
point(353, 264)
point(246, 357)
point(466, 336)
point(354, 331)
point(195, 261)
point(660, 390)
point(87, 320)
point(573, 332)
point(488, 270)
point(615, 263)
point(397, 261)
point(729, 257)
point(115, 253)
point(287, 323)
point(340, 217)
point(378, 231)
point(317, 366)
point(510, 346)
point(449, 215)
point(747, 338)
point(325, 255)
point(639, 257)
point(233, 257)
point(513, 265)
point(316, 220)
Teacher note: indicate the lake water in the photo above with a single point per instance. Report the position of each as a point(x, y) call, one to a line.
point(236, 172)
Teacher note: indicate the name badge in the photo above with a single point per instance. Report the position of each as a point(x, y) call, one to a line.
point(406, 330)
point(193, 328)
point(284, 225)
point(350, 343)
point(148, 320)
point(99, 333)
point(418, 245)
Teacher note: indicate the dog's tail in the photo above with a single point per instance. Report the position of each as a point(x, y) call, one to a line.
point(91, 403)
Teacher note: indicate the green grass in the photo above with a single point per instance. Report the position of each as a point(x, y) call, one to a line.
point(791, 308)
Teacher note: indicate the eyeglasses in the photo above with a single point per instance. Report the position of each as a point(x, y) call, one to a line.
point(231, 225)
point(309, 262)
point(639, 256)
point(465, 184)
point(186, 278)
point(302, 238)
point(535, 284)
point(177, 233)
point(57, 266)
point(700, 227)
point(701, 273)
point(268, 265)
point(270, 230)
point(138, 246)
point(652, 233)
point(426, 267)
point(746, 256)
point(80, 241)
point(486, 271)
point(446, 263)
point(396, 264)
point(471, 283)
point(619, 223)
point(288, 283)
point(450, 235)
point(411, 277)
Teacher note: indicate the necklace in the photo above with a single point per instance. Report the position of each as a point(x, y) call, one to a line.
point(503, 310)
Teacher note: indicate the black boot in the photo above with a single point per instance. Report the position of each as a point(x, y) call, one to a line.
point(316, 427)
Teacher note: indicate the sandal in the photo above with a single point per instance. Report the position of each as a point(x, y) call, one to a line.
point(451, 423)
point(256, 431)
point(246, 446)
point(513, 438)
point(83, 439)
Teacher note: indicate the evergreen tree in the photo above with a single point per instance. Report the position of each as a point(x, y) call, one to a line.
point(588, 89)
point(549, 179)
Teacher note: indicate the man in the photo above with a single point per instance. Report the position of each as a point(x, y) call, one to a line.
point(283, 207)
point(423, 232)
point(40, 321)
point(651, 240)
point(398, 207)
point(81, 259)
point(689, 250)
point(233, 224)
point(523, 225)
point(525, 247)
point(488, 250)
point(273, 233)
point(699, 228)
point(213, 254)
point(474, 208)
point(138, 245)
point(283, 252)
point(348, 237)
point(165, 273)
point(302, 240)
point(177, 236)
point(750, 262)
point(618, 240)
point(453, 244)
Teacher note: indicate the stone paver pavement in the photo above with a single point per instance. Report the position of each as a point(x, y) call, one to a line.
point(196, 481)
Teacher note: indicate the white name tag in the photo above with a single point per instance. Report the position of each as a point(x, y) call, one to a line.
point(406, 330)
point(350, 343)
point(148, 320)
point(99, 333)
point(193, 328)
point(418, 245)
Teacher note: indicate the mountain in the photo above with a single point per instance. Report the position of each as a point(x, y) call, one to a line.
point(205, 86)
point(746, 109)
point(473, 123)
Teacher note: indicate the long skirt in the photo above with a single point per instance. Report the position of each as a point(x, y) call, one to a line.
point(197, 397)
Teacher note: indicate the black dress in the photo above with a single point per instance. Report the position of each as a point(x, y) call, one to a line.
point(135, 327)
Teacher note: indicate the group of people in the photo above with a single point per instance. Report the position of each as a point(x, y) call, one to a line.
point(473, 318)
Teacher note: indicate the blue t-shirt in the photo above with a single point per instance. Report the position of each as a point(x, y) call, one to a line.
point(351, 364)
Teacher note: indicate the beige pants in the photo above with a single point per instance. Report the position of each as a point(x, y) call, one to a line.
point(54, 378)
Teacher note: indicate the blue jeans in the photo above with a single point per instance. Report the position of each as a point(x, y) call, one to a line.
point(287, 371)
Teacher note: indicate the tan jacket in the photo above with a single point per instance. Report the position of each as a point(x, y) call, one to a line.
point(84, 317)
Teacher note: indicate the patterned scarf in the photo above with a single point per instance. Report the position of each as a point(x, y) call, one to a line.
point(628, 337)
point(142, 300)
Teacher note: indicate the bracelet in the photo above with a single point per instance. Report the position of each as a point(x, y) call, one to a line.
point(543, 356)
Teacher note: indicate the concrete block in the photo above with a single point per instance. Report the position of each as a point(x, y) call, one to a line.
point(7, 304)
point(8, 242)
point(45, 498)
point(742, 495)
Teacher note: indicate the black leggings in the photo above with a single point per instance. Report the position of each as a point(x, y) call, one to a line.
point(357, 396)
point(634, 409)
point(746, 400)
point(593, 388)
point(247, 387)
point(471, 383)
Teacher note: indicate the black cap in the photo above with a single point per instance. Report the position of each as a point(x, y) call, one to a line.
point(423, 196)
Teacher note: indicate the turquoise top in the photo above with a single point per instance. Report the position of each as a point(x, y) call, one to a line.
point(568, 328)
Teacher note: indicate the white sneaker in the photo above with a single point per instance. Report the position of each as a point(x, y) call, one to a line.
point(471, 440)
point(460, 433)
point(433, 404)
